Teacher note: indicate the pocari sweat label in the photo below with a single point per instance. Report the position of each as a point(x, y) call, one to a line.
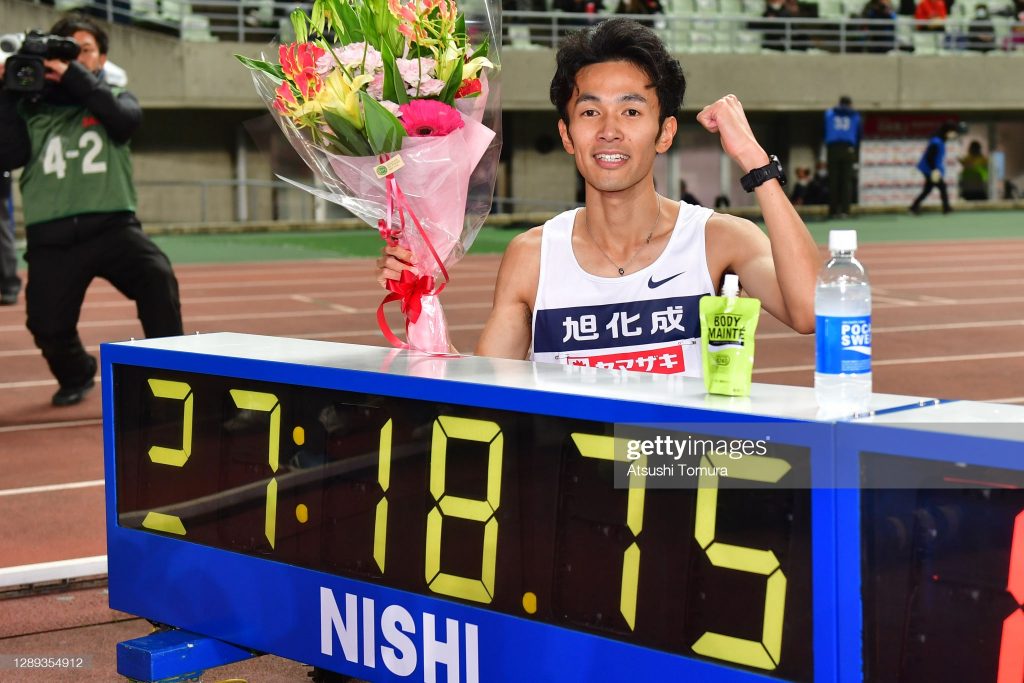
point(844, 344)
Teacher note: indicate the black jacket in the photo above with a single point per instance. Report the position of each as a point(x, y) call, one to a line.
point(119, 114)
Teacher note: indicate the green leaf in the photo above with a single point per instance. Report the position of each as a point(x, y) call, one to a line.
point(368, 26)
point(349, 19)
point(460, 29)
point(451, 86)
point(417, 51)
point(339, 147)
point(383, 129)
point(348, 135)
point(317, 17)
point(483, 49)
point(331, 21)
point(273, 70)
point(394, 86)
point(300, 25)
point(386, 26)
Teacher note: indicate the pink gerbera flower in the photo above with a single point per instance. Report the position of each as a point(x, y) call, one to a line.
point(429, 118)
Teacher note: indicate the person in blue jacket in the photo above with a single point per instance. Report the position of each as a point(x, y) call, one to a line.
point(933, 165)
point(842, 144)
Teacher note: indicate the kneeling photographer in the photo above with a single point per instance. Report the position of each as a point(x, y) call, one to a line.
point(71, 134)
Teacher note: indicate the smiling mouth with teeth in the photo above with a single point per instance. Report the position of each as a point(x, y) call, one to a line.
point(612, 157)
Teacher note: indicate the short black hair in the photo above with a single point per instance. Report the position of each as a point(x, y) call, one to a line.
point(845, 101)
point(959, 127)
point(619, 40)
point(71, 24)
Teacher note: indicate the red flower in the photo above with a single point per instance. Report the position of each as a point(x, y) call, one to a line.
point(298, 61)
point(429, 118)
point(285, 99)
point(469, 87)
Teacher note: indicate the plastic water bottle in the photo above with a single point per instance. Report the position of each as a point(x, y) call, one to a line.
point(842, 306)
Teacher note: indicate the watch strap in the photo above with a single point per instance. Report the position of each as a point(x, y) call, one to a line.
point(759, 176)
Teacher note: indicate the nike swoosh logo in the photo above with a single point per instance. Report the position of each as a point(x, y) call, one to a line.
point(655, 284)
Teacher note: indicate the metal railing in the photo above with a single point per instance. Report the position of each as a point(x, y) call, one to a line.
point(719, 33)
point(693, 30)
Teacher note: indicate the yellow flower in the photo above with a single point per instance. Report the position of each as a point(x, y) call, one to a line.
point(340, 94)
point(472, 68)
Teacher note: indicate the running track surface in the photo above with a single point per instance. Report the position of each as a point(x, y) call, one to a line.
point(948, 323)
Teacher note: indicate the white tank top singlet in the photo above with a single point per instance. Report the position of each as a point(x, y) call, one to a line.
point(647, 321)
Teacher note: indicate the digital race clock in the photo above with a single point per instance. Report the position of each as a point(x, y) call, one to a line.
point(400, 517)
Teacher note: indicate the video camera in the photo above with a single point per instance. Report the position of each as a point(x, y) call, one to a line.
point(24, 55)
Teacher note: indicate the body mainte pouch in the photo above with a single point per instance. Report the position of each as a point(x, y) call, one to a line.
point(727, 326)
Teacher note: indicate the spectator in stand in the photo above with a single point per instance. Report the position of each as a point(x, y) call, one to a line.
point(803, 179)
point(817, 189)
point(591, 7)
point(579, 6)
point(639, 7)
point(981, 33)
point(934, 13)
point(684, 195)
point(1016, 38)
point(974, 174)
point(774, 32)
point(933, 165)
point(842, 141)
point(1013, 10)
point(635, 7)
point(881, 32)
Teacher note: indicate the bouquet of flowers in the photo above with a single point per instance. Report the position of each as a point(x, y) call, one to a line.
point(393, 104)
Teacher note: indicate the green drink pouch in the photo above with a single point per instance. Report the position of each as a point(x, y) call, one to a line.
point(727, 325)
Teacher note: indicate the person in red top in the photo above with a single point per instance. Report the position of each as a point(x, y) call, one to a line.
point(932, 11)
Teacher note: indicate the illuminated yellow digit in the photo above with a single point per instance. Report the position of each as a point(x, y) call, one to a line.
point(175, 457)
point(257, 400)
point(179, 391)
point(445, 428)
point(380, 528)
point(603, 448)
point(763, 654)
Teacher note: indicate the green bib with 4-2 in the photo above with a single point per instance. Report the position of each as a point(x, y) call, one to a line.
point(75, 168)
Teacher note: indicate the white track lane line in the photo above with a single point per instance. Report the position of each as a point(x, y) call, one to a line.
point(51, 487)
point(29, 384)
point(51, 425)
point(53, 571)
point(901, 329)
point(334, 307)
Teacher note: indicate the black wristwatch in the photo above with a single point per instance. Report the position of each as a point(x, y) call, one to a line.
point(759, 176)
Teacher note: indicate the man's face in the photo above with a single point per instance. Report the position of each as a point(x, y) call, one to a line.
point(613, 126)
point(90, 56)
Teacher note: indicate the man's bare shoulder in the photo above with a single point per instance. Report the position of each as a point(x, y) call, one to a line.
point(520, 266)
point(731, 241)
point(729, 237)
point(525, 245)
point(725, 224)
